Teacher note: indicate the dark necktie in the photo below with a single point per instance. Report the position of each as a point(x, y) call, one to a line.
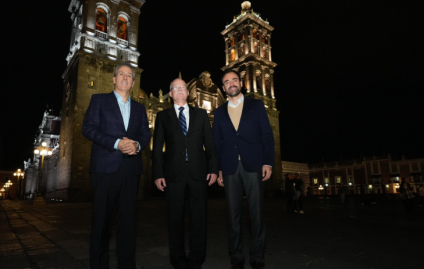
point(183, 123)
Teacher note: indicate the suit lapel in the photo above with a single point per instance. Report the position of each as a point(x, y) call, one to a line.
point(132, 115)
point(192, 114)
point(174, 118)
point(115, 109)
point(246, 108)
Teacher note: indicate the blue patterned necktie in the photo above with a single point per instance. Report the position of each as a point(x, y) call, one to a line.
point(183, 123)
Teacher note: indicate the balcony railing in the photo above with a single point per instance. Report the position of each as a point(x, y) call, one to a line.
point(122, 42)
point(101, 35)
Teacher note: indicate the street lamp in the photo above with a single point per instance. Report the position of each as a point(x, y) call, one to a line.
point(19, 174)
point(6, 187)
point(41, 150)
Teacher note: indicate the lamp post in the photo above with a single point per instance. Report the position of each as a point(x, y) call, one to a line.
point(41, 150)
point(19, 174)
point(6, 188)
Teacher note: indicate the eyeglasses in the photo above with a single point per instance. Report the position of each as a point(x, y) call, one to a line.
point(176, 88)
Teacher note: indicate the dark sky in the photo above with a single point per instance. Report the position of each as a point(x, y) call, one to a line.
point(349, 79)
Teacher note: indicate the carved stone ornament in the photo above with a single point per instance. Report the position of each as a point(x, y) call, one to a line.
point(206, 79)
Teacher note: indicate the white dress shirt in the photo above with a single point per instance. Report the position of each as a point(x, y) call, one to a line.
point(185, 111)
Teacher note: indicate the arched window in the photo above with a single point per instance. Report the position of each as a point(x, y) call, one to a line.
point(233, 55)
point(255, 34)
point(122, 28)
point(101, 20)
point(241, 36)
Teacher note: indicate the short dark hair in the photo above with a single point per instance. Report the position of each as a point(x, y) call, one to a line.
point(229, 71)
point(127, 64)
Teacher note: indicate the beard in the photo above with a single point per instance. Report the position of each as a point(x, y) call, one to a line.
point(237, 92)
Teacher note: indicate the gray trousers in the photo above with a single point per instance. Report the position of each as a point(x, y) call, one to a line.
point(236, 186)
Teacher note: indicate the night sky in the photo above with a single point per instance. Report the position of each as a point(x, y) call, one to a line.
point(349, 79)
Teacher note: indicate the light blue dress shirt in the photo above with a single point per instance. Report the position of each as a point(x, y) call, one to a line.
point(241, 99)
point(125, 112)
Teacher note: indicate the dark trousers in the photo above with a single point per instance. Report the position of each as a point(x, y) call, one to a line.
point(236, 186)
point(110, 190)
point(176, 193)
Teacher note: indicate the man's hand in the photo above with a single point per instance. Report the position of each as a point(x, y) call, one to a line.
point(128, 146)
point(266, 172)
point(212, 178)
point(220, 179)
point(160, 183)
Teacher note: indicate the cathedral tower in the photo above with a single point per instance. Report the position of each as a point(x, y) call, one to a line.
point(248, 51)
point(104, 33)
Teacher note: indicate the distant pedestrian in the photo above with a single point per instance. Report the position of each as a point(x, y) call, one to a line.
point(342, 193)
point(299, 188)
point(289, 187)
point(406, 195)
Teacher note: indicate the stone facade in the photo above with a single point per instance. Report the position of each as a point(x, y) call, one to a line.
point(360, 176)
point(248, 51)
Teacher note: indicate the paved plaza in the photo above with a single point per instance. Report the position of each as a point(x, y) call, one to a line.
point(328, 235)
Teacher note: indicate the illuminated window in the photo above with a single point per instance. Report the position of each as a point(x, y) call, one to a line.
point(264, 53)
point(255, 34)
point(241, 37)
point(232, 42)
point(101, 20)
point(315, 181)
point(338, 180)
point(207, 105)
point(233, 55)
point(122, 28)
point(263, 39)
point(326, 180)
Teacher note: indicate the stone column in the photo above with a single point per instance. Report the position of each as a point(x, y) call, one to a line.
point(253, 72)
point(263, 81)
point(251, 38)
point(226, 50)
point(271, 80)
point(259, 52)
point(248, 83)
point(235, 36)
point(246, 39)
point(269, 47)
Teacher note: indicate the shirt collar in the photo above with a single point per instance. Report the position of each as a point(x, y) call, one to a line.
point(177, 107)
point(119, 98)
point(241, 99)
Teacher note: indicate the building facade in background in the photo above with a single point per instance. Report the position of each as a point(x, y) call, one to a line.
point(105, 34)
point(376, 175)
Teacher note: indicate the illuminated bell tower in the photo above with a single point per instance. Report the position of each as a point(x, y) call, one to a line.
point(104, 34)
point(248, 51)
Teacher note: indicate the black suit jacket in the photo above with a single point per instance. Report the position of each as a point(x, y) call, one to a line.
point(253, 141)
point(103, 124)
point(198, 142)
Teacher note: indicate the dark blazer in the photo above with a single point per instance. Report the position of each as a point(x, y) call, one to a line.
point(198, 142)
point(103, 124)
point(253, 140)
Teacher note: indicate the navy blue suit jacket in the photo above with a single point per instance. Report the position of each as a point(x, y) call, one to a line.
point(253, 141)
point(103, 125)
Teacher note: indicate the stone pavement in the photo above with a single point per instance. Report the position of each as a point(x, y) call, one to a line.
point(328, 235)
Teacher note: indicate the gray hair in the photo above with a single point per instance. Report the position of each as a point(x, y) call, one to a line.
point(127, 64)
point(170, 85)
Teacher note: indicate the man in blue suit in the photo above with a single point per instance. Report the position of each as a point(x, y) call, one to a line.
point(246, 155)
point(119, 130)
